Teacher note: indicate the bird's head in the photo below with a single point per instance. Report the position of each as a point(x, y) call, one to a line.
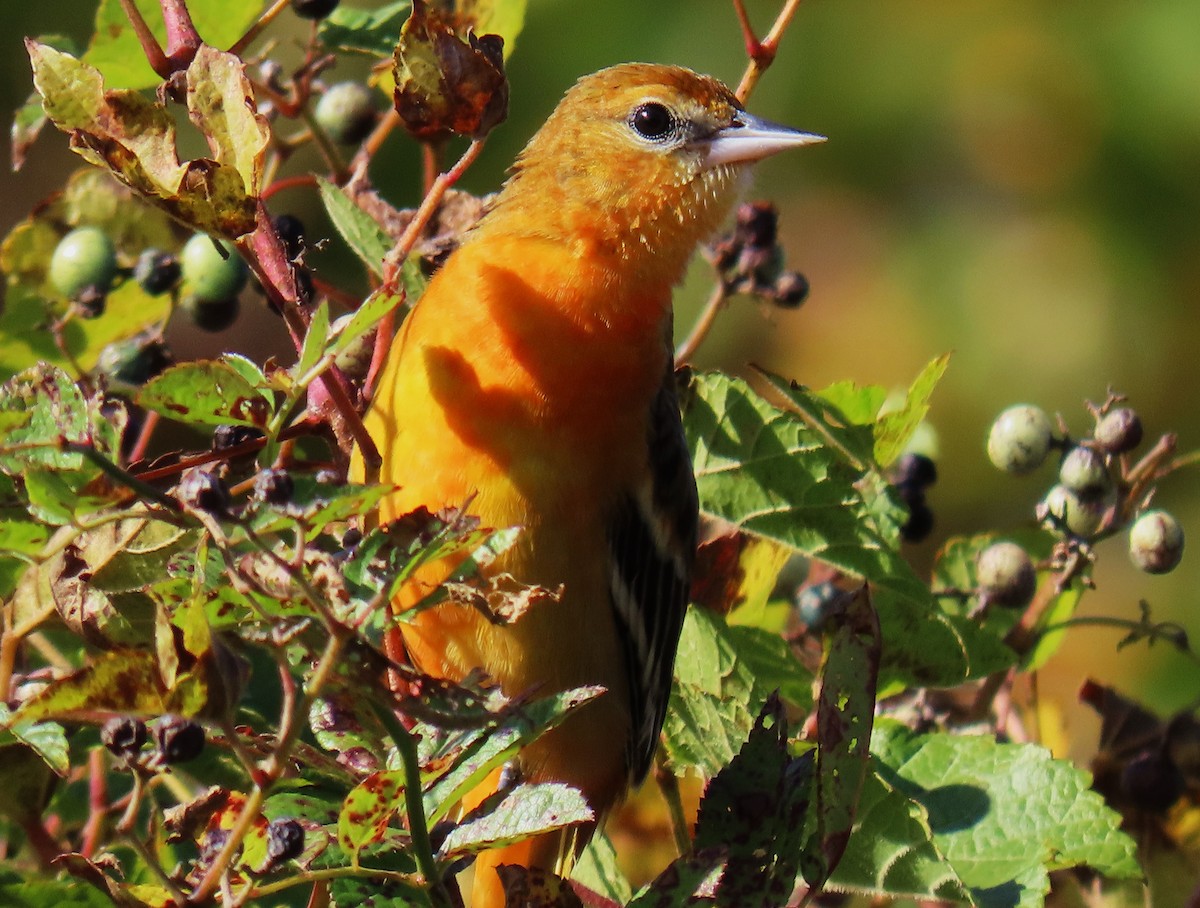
point(639, 161)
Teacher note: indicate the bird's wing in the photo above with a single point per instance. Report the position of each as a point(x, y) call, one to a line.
point(652, 544)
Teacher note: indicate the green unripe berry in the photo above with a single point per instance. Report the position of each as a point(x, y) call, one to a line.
point(1065, 511)
point(1085, 473)
point(1156, 542)
point(346, 112)
point(1020, 439)
point(355, 360)
point(207, 276)
point(1005, 575)
point(83, 260)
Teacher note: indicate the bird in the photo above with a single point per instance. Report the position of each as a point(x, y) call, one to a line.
point(533, 383)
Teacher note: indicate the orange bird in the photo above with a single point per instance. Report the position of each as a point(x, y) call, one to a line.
point(534, 380)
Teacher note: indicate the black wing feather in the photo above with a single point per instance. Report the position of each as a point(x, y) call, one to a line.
point(652, 545)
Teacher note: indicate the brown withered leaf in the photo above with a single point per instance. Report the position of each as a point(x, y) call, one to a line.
point(446, 81)
point(134, 137)
point(734, 568)
point(503, 598)
point(184, 821)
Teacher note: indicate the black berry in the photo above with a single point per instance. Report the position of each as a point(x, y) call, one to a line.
point(178, 739)
point(156, 271)
point(285, 840)
point(1120, 430)
point(314, 9)
point(123, 735)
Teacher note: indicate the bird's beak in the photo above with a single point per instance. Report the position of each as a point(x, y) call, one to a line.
point(749, 138)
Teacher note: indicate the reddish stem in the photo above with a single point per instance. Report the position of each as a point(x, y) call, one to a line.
point(144, 436)
point(294, 182)
point(97, 803)
point(150, 46)
point(182, 38)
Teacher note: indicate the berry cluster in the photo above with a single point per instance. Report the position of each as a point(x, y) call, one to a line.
point(1099, 490)
point(750, 259)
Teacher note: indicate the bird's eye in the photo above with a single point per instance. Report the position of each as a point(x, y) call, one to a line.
point(652, 121)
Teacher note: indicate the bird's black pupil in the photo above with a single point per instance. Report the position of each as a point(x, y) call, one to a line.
point(652, 121)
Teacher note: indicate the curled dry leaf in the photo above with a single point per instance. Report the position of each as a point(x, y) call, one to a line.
point(447, 83)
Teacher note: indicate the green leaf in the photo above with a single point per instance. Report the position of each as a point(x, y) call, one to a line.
point(478, 751)
point(207, 392)
point(1004, 815)
point(47, 739)
point(755, 808)
point(496, 17)
point(117, 681)
point(891, 851)
point(41, 892)
point(22, 536)
point(524, 812)
point(365, 318)
point(315, 341)
point(116, 52)
point(370, 242)
point(368, 810)
point(767, 472)
point(678, 886)
point(845, 712)
point(925, 646)
point(56, 411)
point(723, 675)
point(894, 428)
point(363, 31)
point(597, 869)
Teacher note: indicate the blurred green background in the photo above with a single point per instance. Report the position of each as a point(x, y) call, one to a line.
point(1018, 183)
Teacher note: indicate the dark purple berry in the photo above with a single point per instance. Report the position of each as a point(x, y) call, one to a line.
point(211, 315)
point(134, 361)
point(203, 490)
point(285, 840)
point(314, 9)
point(228, 436)
point(757, 225)
point(915, 471)
point(1151, 781)
point(123, 735)
point(817, 604)
point(790, 290)
point(291, 231)
point(920, 520)
point(178, 739)
point(1119, 431)
point(274, 486)
point(156, 271)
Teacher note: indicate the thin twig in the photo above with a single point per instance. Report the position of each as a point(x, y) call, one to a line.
point(704, 323)
point(150, 46)
point(766, 50)
point(429, 205)
point(257, 28)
